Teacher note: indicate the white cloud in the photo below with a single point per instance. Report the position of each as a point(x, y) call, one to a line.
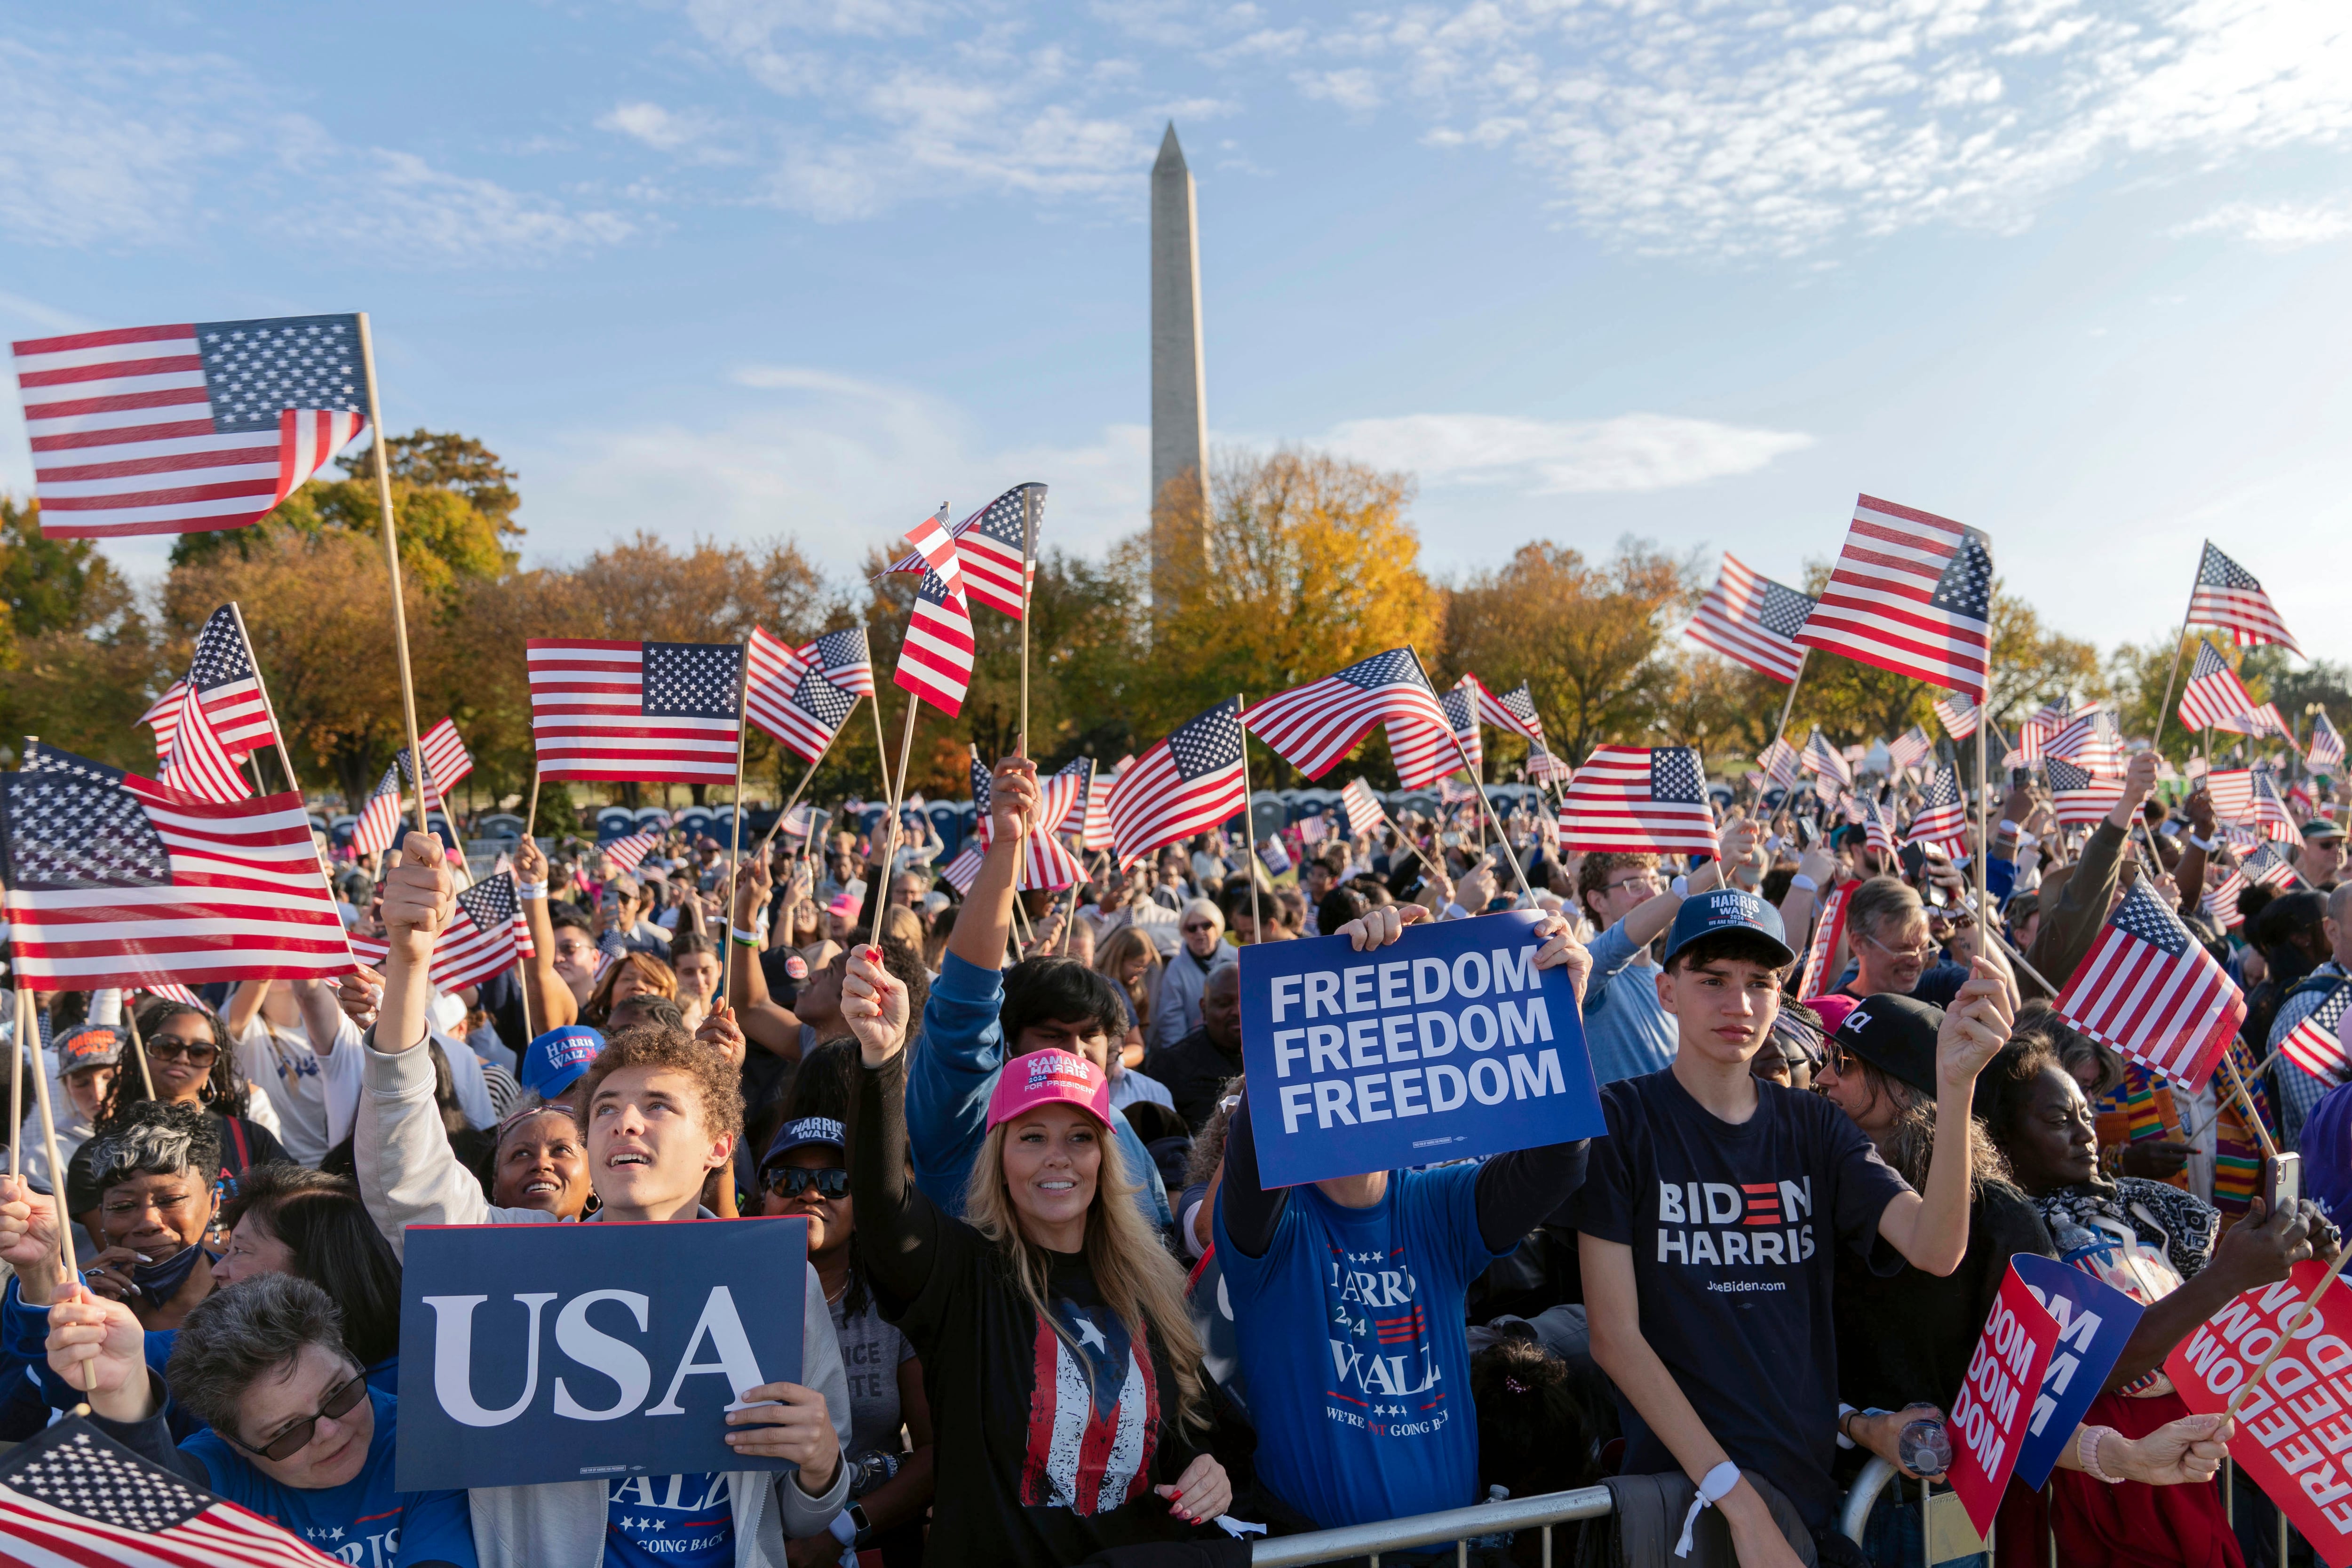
point(2284, 226)
point(105, 146)
point(655, 126)
point(1686, 125)
point(1538, 456)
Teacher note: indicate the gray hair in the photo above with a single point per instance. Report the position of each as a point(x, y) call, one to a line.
point(1881, 901)
point(1204, 907)
point(236, 1336)
point(155, 1138)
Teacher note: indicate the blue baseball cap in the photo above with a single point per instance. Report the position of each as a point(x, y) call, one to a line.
point(821, 1131)
point(1727, 909)
point(553, 1062)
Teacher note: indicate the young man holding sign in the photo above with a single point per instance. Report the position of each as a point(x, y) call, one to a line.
point(1348, 1293)
point(662, 1112)
point(1709, 1218)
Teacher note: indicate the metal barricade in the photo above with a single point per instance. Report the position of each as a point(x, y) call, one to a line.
point(1459, 1525)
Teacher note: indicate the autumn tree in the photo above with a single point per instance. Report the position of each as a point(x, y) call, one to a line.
point(77, 654)
point(1588, 637)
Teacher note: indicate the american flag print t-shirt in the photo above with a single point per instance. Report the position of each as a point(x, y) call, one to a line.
point(1734, 1230)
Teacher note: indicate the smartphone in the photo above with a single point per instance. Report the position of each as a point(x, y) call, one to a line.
point(2282, 1182)
point(1449, 839)
point(2020, 777)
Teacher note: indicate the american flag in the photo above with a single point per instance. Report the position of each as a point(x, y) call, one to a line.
point(1514, 710)
point(186, 428)
point(1912, 750)
point(70, 1495)
point(2091, 740)
point(1649, 799)
point(483, 939)
point(1363, 809)
point(1943, 819)
point(1878, 829)
point(844, 658)
point(1098, 834)
point(2221, 899)
point(1315, 725)
point(2152, 992)
point(379, 817)
point(1752, 619)
point(446, 762)
point(800, 822)
point(1821, 757)
point(1544, 767)
point(2269, 867)
point(2215, 697)
point(2227, 595)
point(1450, 792)
point(628, 854)
point(1074, 819)
point(655, 711)
point(935, 661)
point(964, 870)
point(1958, 712)
point(2317, 1044)
point(1911, 593)
point(1780, 763)
point(171, 991)
point(2249, 798)
point(787, 698)
point(2268, 720)
point(2326, 752)
point(991, 543)
point(1045, 861)
point(224, 713)
point(113, 880)
point(1194, 780)
point(163, 715)
point(1817, 975)
point(2079, 797)
point(1461, 705)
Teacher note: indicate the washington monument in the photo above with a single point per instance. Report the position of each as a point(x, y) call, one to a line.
point(1180, 420)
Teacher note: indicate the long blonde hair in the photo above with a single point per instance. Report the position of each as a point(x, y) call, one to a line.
point(1112, 956)
point(1133, 1273)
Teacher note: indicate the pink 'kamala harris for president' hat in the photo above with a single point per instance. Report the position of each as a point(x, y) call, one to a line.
point(1044, 1077)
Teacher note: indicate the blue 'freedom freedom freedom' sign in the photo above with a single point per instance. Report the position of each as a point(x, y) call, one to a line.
point(522, 1359)
point(2094, 1322)
point(1447, 1044)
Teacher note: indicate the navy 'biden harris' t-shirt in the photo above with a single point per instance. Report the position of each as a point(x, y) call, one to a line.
point(1732, 1229)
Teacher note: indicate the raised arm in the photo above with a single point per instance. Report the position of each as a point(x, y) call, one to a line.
point(899, 1224)
point(985, 922)
point(1931, 1228)
point(244, 1006)
point(552, 1006)
point(767, 1024)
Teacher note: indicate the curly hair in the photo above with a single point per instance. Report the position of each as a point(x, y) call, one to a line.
point(1593, 872)
point(656, 976)
point(671, 1051)
point(153, 1138)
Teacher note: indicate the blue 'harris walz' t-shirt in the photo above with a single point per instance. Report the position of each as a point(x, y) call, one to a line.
point(669, 1521)
point(363, 1522)
point(1371, 1419)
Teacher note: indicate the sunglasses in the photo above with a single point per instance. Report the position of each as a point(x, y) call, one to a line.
point(193, 1053)
point(341, 1401)
point(792, 1182)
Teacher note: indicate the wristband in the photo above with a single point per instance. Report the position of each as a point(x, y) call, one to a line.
point(533, 890)
point(2086, 1449)
point(748, 937)
point(1713, 1489)
point(1681, 886)
point(2008, 829)
point(2026, 840)
point(1844, 1441)
point(1804, 883)
point(2205, 845)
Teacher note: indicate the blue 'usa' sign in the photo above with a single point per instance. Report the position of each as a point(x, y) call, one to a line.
point(565, 1353)
point(1447, 1044)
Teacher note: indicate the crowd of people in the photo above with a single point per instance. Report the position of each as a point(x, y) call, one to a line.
point(1052, 1313)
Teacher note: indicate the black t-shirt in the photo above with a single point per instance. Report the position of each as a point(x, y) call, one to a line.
point(1194, 1072)
point(1907, 1337)
point(1049, 1446)
point(243, 1145)
point(1732, 1230)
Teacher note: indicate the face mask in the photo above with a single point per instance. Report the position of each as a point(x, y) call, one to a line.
point(158, 1282)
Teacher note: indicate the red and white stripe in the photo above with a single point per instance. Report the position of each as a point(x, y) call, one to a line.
point(1098, 832)
point(1876, 607)
point(1817, 974)
point(164, 719)
point(199, 765)
point(1610, 806)
point(1730, 621)
point(1780, 763)
point(1821, 758)
point(1152, 804)
point(935, 661)
point(379, 817)
point(446, 762)
point(1314, 725)
point(2175, 1013)
point(1365, 813)
point(1911, 749)
point(1502, 713)
point(121, 426)
point(2215, 697)
point(1957, 713)
point(247, 902)
point(2245, 797)
point(628, 854)
point(1045, 860)
point(2240, 608)
point(775, 673)
point(2316, 1044)
point(588, 719)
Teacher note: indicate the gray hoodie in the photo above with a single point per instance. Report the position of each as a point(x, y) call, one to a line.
point(408, 1176)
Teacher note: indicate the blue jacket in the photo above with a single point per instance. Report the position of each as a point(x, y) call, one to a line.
point(950, 1073)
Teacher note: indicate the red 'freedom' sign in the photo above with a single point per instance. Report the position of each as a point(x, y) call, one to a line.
point(2295, 1429)
point(1995, 1407)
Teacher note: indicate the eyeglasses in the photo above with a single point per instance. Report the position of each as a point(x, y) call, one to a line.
point(1921, 950)
point(1191, 926)
point(1649, 879)
point(792, 1182)
point(195, 1053)
point(341, 1401)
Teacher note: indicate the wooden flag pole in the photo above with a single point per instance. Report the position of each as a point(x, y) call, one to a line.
point(798, 790)
point(906, 755)
point(391, 566)
point(1028, 549)
point(2246, 1098)
point(57, 1181)
point(138, 1046)
point(1249, 819)
point(236, 614)
point(1984, 807)
point(881, 747)
point(2179, 649)
point(1517, 870)
point(1788, 702)
point(16, 1075)
point(735, 838)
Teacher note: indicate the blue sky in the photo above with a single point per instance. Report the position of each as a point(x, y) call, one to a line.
point(2071, 270)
